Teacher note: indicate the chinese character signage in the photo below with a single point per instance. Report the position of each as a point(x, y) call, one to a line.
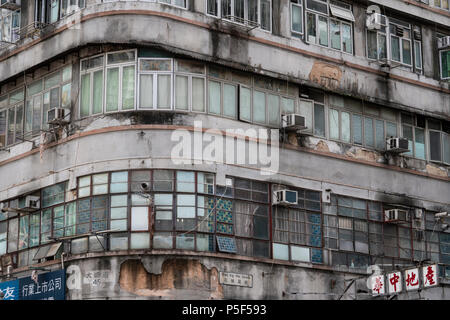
point(49, 286)
point(378, 287)
point(430, 276)
point(10, 290)
point(395, 282)
point(412, 279)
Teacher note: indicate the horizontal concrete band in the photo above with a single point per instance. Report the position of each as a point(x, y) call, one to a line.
point(207, 26)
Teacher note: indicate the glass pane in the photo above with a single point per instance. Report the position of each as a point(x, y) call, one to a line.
point(419, 143)
point(435, 145)
point(65, 95)
point(280, 251)
point(395, 49)
point(347, 43)
point(164, 92)
point(146, 91)
point(112, 89)
point(334, 124)
point(214, 97)
point(288, 106)
point(119, 57)
point(139, 218)
point(311, 27)
point(357, 128)
point(198, 94)
point(140, 241)
point(406, 47)
point(379, 135)
point(181, 92)
point(447, 148)
point(445, 64)
point(244, 104)
point(229, 100)
point(335, 34)
point(297, 19)
point(372, 45)
point(345, 126)
point(408, 134)
point(98, 92)
point(259, 107)
point(273, 105)
point(418, 54)
point(319, 120)
point(368, 132)
point(306, 110)
point(323, 31)
point(128, 88)
point(85, 94)
point(391, 129)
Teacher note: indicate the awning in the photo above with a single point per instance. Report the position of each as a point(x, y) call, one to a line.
point(342, 13)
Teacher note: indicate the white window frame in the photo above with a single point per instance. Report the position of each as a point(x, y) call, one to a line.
point(71, 9)
point(155, 74)
point(190, 76)
point(440, 64)
point(13, 34)
point(172, 3)
point(401, 43)
point(246, 16)
point(300, 5)
point(91, 86)
point(119, 65)
point(328, 17)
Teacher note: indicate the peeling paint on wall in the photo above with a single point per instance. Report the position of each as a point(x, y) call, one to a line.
point(362, 154)
point(437, 171)
point(326, 75)
point(179, 278)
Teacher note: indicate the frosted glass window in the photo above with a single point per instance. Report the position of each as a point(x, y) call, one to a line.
point(140, 241)
point(98, 92)
point(119, 182)
point(185, 241)
point(273, 105)
point(287, 105)
point(368, 132)
point(345, 126)
point(391, 129)
point(185, 181)
point(181, 92)
point(347, 43)
point(395, 49)
point(162, 240)
point(229, 100)
point(112, 89)
point(118, 242)
point(334, 124)
point(198, 94)
point(259, 107)
point(214, 97)
point(297, 18)
point(244, 104)
point(128, 87)
point(85, 94)
point(164, 91)
point(139, 218)
point(357, 129)
point(379, 134)
point(300, 254)
point(280, 251)
point(146, 91)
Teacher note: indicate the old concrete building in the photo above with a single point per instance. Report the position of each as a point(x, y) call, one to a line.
point(97, 178)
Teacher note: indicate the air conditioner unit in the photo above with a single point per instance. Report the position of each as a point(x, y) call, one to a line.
point(418, 213)
point(293, 122)
point(397, 145)
point(444, 42)
point(396, 216)
point(32, 203)
point(10, 4)
point(285, 197)
point(56, 116)
point(375, 21)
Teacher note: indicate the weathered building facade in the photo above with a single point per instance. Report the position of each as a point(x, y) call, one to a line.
point(105, 193)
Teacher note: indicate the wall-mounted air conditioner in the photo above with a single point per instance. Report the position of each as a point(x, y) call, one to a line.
point(56, 116)
point(396, 216)
point(32, 203)
point(418, 213)
point(293, 122)
point(375, 21)
point(397, 145)
point(444, 42)
point(285, 197)
point(10, 4)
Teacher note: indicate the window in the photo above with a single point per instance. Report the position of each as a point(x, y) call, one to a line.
point(120, 81)
point(404, 47)
point(50, 11)
point(444, 63)
point(190, 86)
point(251, 13)
point(9, 26)
point(324, 29)
point(177, 3)
point(91, 84)
point(441, 4)
point(155, 84)
point(439, 140)
point(296, 17)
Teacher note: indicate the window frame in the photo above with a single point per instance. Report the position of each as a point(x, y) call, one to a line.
point(441, 52)
point(91, 72)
